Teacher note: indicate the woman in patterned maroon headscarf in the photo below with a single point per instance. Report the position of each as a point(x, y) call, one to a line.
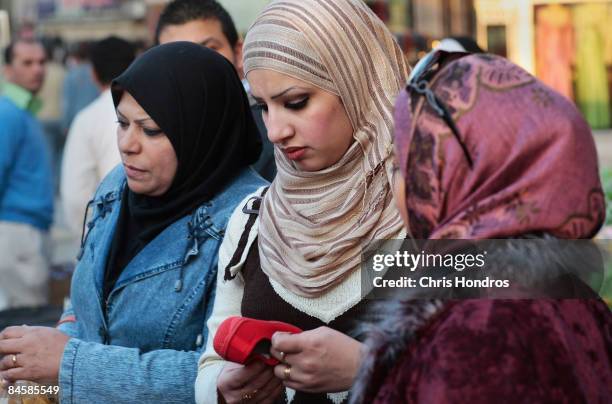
point(522, 162)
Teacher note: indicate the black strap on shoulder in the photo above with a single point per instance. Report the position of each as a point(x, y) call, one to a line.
point(253, 212)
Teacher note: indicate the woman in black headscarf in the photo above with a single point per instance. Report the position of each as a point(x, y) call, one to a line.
point(144, 285)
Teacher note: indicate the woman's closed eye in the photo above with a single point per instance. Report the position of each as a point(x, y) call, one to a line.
point(151, 132)
point(294, 105)
point(124, 124)
point(297, 105)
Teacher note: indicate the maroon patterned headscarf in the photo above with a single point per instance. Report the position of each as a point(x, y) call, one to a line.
point(534, 158)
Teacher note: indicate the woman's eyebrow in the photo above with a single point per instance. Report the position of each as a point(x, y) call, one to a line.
point(284, 92)
point(138, 121)
point(143, 120)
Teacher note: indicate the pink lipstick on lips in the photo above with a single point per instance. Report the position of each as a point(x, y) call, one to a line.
point(294, 153)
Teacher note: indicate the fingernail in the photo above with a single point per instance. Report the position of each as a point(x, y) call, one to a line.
point(275, 338)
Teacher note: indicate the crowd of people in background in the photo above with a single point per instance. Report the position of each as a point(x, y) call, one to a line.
point(209, 177)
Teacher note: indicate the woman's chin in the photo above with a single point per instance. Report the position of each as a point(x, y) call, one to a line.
point(308, 165)
point(145, 188)
point(138, 187)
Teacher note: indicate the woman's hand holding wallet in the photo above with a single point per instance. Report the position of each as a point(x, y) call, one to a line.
point(249, 375)
point(319, 360)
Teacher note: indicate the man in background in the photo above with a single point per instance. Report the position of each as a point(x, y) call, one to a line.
point(207, 23)
point(91, 147)
point(26, 181)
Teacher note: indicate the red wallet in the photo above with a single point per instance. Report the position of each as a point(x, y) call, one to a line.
point(241, 339)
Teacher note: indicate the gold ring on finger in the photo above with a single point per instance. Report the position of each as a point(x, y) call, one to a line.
point(287, 372)
point(282, 356)
point(14, 359)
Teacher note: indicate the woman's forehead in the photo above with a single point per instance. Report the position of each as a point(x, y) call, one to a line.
point(269, 80)
point(271, 84)
point(130, 108)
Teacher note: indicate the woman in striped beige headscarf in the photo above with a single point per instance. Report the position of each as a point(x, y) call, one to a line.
point(325, 73)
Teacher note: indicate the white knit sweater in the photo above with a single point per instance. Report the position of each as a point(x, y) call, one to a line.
point(229, 297)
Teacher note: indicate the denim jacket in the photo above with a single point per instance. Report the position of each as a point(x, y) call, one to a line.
point(144, 348)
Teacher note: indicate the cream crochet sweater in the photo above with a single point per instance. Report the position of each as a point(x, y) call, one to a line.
point(229, 297)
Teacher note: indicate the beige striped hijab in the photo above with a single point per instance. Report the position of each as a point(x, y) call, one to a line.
point(313, 225)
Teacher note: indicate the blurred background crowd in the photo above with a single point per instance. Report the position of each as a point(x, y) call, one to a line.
point(565, 43)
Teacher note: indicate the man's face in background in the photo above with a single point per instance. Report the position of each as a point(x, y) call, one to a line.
point(28, 66)
point(206, 32)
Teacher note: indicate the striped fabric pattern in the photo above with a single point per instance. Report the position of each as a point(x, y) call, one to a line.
point(314, 225)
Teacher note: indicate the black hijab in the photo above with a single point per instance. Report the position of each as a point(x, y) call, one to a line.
point(196, 98)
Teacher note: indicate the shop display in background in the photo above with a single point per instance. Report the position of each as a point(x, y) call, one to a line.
point(555, 47)
point(574, 55)
point(593, 61)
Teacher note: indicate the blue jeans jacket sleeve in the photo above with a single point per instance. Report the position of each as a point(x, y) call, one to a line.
point(95, 373)
point(68, 327)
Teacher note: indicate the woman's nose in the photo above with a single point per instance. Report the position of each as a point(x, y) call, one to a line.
point(279, 129)
point(128, 140)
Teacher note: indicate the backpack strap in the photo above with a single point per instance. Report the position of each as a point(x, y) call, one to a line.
point(253, 212)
